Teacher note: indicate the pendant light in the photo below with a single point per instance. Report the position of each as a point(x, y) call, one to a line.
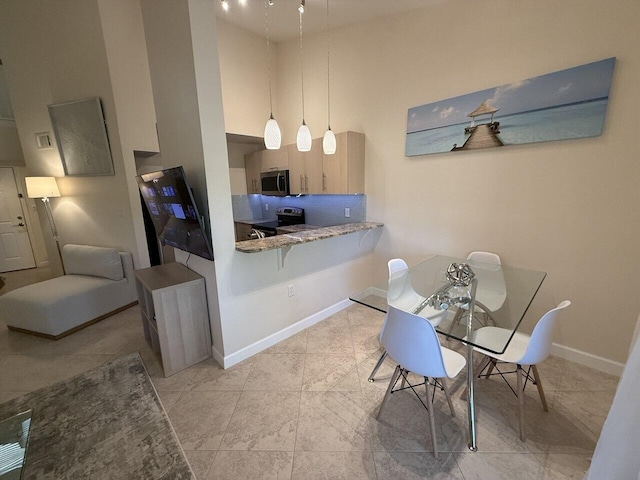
point(272, 135)
point(303, 139)
point(329, 139)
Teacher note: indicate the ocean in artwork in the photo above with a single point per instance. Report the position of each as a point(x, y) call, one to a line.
point(579, 120)
point(567, 104)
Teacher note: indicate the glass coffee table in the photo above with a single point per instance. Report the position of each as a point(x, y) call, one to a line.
point(14, 440)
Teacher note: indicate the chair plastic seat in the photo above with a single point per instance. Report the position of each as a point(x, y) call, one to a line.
point(453, 362)
point(498, 336)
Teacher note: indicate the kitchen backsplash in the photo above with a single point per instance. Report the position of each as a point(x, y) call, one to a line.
point(320, 210)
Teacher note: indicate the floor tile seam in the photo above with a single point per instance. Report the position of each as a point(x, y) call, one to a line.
point(206, 474)
point(295, 434)
point(226, 428)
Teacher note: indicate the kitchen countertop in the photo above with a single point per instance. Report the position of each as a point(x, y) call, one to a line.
point(303, 236)
point(296, 228)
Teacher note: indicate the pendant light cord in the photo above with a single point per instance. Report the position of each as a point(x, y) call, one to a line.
point(266, 22)
point(328, 74)
point(302, 67)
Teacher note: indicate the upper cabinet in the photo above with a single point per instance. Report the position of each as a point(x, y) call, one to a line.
point(273, 160)
point(313, 172)
point(343, 172)
point(252, 166)
point(305, 169)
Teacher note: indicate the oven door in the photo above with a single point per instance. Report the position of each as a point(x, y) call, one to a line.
point(275, 183)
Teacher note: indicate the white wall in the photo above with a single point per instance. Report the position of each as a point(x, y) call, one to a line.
point(10, 150)
point(245, 84)
point(249, 291)
point(56, 52)
point(569, 208)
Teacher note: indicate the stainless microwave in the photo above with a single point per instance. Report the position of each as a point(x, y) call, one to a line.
point(275, 183)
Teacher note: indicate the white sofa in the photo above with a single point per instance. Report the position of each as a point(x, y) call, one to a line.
point(99, 282)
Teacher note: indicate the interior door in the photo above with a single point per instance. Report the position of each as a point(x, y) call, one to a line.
point(15, 247)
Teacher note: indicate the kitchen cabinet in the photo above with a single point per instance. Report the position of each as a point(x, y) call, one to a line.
point(175, 321)
point(243, 230)
point(343, 172)
point(305, 169)
point(252, 166)
point(273, 160)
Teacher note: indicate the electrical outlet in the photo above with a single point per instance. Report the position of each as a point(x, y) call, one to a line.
point(290, 290)
point(347, 212)
point(266, 207)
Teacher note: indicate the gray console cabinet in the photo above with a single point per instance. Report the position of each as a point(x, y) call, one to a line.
point(173, 305)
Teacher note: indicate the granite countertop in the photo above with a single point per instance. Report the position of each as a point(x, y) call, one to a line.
point(296, 228)
point(303, 236)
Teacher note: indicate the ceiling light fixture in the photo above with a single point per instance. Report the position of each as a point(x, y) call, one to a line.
point(329, 139)
point(272, 135)
point(303, 139)
point(225, 5)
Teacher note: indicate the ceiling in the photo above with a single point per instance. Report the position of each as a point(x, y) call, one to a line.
point(284, 21)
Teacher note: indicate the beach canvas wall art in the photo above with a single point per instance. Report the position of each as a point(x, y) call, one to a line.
point(567, 104)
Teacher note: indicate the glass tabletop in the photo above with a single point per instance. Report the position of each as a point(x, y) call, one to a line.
point(503, 296)
point(14, 436)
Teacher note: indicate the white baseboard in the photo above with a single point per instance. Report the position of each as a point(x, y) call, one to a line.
point(217, 356)
point(283, 334)
point(587, 359)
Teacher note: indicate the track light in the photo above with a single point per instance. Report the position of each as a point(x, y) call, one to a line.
point(301, 7)
point(225, 5)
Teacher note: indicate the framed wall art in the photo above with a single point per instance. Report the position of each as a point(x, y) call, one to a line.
point(566, 104)
point(81, 135)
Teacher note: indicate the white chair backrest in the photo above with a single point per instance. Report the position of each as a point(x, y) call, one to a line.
point(395, 265)
point(400, 292)
point(540, 342)
point(484, 257)
point(412, 342)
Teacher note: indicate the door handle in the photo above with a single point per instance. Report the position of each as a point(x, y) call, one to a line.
point(19, 225)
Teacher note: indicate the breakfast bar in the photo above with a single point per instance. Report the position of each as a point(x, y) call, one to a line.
point(303, 236)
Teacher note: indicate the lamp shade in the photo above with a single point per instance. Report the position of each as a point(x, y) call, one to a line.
point(272, 135)
point(329, 142)
point(41, 187)
point(303, 139)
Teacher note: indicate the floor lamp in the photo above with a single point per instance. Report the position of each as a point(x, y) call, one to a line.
point(44, 188)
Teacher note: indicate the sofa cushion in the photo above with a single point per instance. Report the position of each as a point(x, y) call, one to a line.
point(94, 261)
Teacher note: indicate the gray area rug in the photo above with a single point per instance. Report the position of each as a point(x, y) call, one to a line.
point(106, 423)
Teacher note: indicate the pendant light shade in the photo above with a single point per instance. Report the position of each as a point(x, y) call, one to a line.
point(303, 139)
point(272, 135)
point(329, 142)
point(329, 139)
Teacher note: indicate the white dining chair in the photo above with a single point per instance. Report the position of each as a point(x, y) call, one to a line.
point(402, 295)
point(522, 350)
point(484, 257)
point(412, 342)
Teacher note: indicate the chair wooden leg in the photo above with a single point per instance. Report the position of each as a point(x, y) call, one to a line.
point(490, 369)
point(536, 376)
point(394, 379)
point(446, 394)
point(432, 418)
point(483, 364)
point(520, 402)
point(375, 369)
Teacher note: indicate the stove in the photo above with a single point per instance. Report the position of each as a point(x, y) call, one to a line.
point(286, 216)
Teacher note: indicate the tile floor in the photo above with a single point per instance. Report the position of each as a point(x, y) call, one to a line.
point(303, 409)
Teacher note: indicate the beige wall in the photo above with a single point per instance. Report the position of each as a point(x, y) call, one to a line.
point(244, 79)
point(76, 60)
point(10, 150)
point(569, 208)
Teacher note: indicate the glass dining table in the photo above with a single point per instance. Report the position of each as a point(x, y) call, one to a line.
point(497, 295)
